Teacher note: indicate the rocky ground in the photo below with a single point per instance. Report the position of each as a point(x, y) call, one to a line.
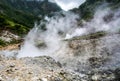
point(45, 68)
point(99, 54)
point(34, 69)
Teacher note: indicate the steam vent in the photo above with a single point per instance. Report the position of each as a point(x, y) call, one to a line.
point(59, 40)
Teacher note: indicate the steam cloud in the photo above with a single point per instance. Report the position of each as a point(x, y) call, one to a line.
point(61, 27)
point(57, 27)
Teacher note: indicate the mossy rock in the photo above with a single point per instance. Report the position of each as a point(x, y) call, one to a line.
point(95, 35)
point(2, 43)
point(40, 44)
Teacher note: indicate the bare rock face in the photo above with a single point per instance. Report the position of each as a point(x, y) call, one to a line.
point(8, 36)
point(9, 41)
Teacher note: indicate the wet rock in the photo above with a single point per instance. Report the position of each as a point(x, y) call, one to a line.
point(96, 61)
point(108, 18)
point(40, 44)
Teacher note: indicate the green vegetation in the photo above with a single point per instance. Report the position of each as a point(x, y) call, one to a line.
point(2, 43)
point(87, 9)
point(26, 12)
point(95, 35)
point(18, 16)
point(6, 24)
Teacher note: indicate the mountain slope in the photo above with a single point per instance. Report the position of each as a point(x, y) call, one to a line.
point(24, 13)
point(87, 9)
point(34, 7)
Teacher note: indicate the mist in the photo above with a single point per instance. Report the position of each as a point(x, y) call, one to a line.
point(57, 27)
point(65, 26)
